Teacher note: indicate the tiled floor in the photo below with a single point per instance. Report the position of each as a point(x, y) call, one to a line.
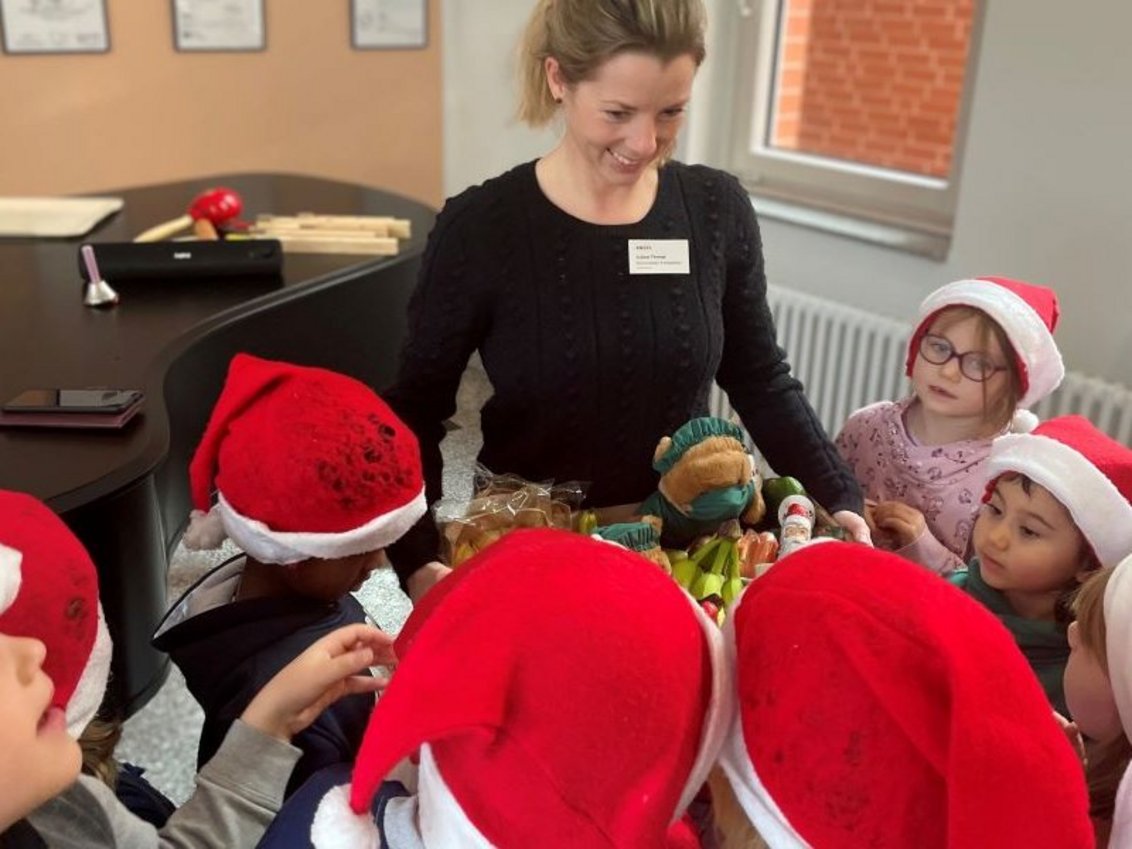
point(162, 737)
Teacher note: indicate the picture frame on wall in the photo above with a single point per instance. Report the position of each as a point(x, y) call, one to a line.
point(388, 24)
point(219, 26)
point(54, 26)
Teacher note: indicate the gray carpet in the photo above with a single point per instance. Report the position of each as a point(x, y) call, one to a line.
point(162, 736)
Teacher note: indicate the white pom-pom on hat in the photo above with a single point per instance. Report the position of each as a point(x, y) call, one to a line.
point(336, 826)
point(205, 531)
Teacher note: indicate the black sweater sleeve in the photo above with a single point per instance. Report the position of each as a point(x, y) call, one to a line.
point(447, 314)
point(756, 376)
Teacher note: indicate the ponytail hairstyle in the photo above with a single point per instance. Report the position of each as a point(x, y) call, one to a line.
point(582, 34)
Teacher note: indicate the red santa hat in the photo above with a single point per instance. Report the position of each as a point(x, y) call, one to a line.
point(1089, 472)
point(881, 707)
point(307, 463)
point(1028, 315)
point(49, 591)
point(560, 691)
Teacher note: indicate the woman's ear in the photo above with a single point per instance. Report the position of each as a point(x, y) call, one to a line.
point(554, 79)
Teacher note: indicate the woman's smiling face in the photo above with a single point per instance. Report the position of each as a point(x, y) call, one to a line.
point(625, 117)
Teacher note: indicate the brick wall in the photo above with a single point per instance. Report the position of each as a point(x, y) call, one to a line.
point(873, 81)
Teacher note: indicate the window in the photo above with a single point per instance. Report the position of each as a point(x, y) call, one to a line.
point(850, 114)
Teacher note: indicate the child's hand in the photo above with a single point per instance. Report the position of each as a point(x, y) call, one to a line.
point(898, 523)
point(1069, 728)
point(858, 527)
point(318, 677)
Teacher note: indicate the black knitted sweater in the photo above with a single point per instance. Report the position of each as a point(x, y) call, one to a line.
point(590, 364)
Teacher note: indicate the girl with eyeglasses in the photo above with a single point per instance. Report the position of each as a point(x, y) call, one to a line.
point(982, 352)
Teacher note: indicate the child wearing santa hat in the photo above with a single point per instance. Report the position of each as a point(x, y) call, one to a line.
point(878, 707)
point(314, 477)
point(53, 665)
point(554, 691)
point(1055, 510)
point(1098, 690)
point(982, 352)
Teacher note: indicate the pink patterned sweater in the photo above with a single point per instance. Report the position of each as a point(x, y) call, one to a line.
point(944, 482)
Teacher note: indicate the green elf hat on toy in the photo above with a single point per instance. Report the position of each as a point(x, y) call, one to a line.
point(306, 463)
point(595, 706)
point(49, 591)
point(863, 722)
point(692, 433)
point(635, 536)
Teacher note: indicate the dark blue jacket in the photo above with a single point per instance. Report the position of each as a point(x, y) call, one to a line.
point(291, 828)
point(229, 652)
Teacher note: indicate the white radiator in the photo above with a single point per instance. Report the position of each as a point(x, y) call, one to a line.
point(847, 358)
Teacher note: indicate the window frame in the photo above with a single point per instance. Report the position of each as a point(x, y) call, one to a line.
point(897, 209)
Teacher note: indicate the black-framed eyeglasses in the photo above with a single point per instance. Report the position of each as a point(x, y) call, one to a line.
point(975, 365)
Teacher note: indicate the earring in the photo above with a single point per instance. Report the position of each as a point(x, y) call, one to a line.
point(557, 98)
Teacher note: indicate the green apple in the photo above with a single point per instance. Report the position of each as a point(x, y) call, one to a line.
point(775, 490)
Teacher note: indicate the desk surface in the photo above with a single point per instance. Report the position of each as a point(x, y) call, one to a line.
point(125, 493)
point(48, 338)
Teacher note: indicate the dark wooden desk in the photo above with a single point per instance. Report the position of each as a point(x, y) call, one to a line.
point(125, 494)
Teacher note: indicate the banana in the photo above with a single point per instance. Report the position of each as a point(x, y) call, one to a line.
point(685, 572)
point(732, 565)
point(731, 589)
point(705, 553)
point(708, 583)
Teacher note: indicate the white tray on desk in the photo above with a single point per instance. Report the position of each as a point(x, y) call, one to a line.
point(54, 216)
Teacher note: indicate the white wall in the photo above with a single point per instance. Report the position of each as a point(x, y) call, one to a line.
point(1046, 188)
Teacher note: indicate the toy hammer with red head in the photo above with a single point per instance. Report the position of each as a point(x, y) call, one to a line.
point(216, 205)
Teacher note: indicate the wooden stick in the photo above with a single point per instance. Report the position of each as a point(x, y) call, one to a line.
point(270, 231)
point(400, 228)
point(307, 244)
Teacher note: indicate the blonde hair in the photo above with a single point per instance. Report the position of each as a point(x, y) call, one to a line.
point(582, 34)
point(999, 412)
point(733, 828)
point(98, 742)
point(1107, 761)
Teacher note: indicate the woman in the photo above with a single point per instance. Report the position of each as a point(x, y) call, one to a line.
point(604, 286)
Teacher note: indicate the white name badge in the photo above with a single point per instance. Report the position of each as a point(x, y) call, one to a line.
point(658, 256)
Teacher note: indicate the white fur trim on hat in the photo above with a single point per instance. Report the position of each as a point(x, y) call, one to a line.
point(750, 792)
point(1118, 642)
point(444, 825)
point(87, 699)
point(1098, 508)
point(1027, 331)
point(336, 826)
point(268, 546)
point(1121, 834)
point(721, 708)
point(11, 576)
